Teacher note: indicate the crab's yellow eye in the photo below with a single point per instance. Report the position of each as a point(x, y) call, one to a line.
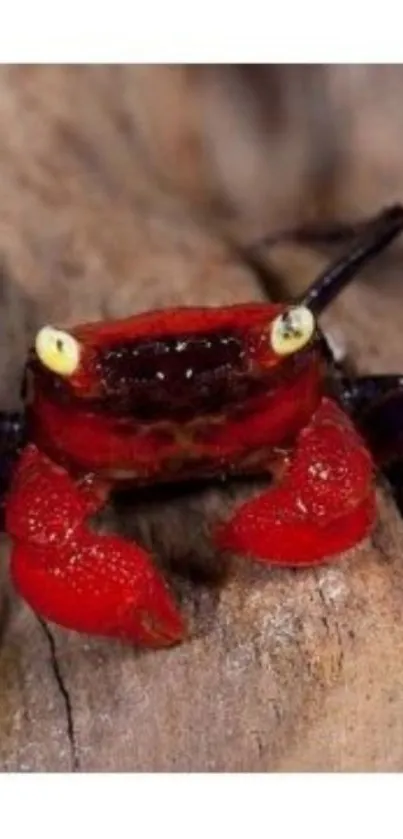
point(292, 330)
point(57, 350)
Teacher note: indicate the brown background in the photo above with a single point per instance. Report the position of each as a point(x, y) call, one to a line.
point(123, 188)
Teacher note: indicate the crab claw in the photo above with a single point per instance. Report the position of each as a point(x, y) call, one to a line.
point(324, 505)
point(97, 584)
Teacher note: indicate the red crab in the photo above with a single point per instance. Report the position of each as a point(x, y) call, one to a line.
point(178, 394)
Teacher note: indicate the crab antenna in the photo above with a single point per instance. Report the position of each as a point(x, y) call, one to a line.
point(377, 236)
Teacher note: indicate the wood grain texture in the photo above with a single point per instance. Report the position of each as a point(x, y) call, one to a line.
point(108, 204)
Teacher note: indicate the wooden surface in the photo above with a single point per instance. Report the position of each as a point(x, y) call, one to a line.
point(285, 670)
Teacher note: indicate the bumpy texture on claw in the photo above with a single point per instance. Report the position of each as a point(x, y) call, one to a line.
point(324, 505)
point(99, 584)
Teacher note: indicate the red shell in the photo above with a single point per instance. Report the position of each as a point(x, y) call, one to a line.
point(281, 395)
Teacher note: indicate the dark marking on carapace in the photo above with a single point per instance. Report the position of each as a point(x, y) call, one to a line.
point(172, 378)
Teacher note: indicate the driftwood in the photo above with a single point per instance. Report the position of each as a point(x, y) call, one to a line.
point(284, 670)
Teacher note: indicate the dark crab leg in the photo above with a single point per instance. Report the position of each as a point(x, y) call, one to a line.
point(376, 405)
point(365, 397)
point(13, 437)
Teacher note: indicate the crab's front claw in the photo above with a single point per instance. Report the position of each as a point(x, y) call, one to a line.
point(79, 579)
point(324, 505)
point(99, 585)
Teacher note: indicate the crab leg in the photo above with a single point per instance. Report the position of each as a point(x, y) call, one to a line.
point(324, 504)
point(12, 442)
point(376, 405)
point(92, 583)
